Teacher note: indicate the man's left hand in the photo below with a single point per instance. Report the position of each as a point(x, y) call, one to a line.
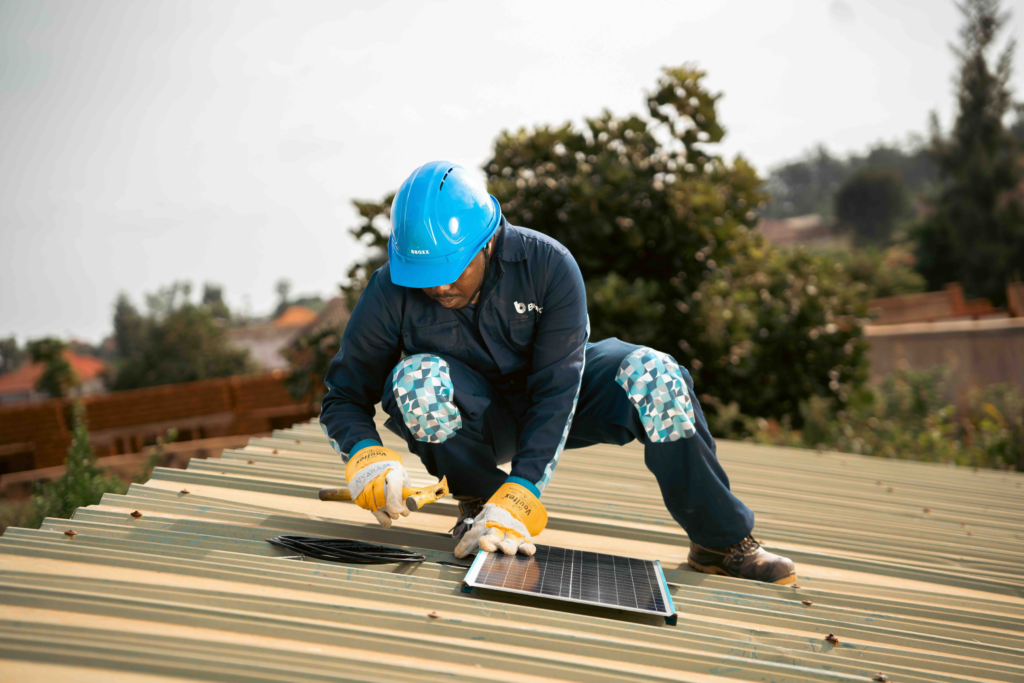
point(509, 521)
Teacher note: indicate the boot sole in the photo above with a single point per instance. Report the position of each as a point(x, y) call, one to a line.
point(711, 569)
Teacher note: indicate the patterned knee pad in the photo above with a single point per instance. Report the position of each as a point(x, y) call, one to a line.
point(422, 385)
point(655, 385)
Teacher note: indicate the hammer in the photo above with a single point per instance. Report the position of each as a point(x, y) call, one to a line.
point(414, 498)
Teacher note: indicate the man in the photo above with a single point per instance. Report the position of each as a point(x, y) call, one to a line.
point(474, 337)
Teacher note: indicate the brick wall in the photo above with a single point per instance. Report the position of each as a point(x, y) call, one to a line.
point(978, 352)
point(127, 421)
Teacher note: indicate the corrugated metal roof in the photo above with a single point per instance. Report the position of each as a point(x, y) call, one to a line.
point(918, 569)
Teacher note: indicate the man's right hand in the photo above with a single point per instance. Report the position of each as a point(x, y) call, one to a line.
point(375, 478)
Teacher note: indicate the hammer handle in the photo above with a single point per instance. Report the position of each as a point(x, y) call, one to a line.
point(414, 498)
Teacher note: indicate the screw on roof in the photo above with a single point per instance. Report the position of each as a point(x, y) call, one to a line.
point(70, 533)
point(807, 602)
point(136, 514)
point(184, 491)
point(832, 639)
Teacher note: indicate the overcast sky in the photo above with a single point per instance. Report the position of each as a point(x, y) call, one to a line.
point(143, 142)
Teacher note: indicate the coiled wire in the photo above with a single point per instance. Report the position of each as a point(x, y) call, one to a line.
point(345, 550)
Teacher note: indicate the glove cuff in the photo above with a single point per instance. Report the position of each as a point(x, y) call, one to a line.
point(368, 456)
point(523, 505)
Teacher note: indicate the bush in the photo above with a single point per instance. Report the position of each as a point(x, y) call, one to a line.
point(778, 329)
point(905, 417)
point(869, 204)
point(888, 272)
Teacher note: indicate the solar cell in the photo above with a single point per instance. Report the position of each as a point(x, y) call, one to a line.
point(576, 576)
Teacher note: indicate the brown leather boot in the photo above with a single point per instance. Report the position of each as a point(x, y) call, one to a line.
point(745, 560)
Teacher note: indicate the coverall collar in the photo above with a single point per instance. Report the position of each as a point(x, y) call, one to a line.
point(510, 243)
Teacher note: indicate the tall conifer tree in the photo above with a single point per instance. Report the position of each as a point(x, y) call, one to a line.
point(976, 233)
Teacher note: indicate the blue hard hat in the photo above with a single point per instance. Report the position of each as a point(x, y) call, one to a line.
point(440, 218)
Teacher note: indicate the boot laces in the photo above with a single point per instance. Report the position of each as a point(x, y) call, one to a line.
point(746, 546)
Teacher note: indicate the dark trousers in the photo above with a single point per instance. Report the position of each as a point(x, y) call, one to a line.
point(693, 484)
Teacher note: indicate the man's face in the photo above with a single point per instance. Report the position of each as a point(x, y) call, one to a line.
point(465, 290)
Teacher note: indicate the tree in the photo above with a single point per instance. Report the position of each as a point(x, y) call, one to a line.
point(310, 355)
point(309, 358)
point(177, 341)
point(283, 289)
point(781, 327)
point(654, 218)
point(213, 298)
point(975, 235)
point(58, 377)
point(129, 328)
point(807, 185)
point(11, 354)
point(870, 203)
point(373, 233)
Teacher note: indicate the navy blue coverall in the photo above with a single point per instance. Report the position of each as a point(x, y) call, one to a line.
point(525, 383)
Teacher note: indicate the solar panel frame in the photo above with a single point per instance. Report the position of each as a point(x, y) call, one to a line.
point(597, 579)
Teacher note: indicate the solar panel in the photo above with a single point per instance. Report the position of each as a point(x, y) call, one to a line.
point(576, 576)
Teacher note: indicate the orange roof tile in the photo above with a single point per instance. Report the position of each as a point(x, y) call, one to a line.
point(25, 377)
point(295, 316)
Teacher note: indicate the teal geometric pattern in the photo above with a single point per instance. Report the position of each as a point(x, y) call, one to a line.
point(422, 385)
point(655, 385)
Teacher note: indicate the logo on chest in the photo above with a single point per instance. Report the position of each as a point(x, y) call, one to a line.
point(523, 308)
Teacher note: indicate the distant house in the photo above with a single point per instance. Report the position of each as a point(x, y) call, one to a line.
point(265, 341)
point(294, 316)
point(793, 230)
point(19, 385)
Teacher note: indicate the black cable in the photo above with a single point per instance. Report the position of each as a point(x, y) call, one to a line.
point(345, 550)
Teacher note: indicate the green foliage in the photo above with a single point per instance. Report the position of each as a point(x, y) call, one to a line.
point(213, 299)
point(809, 184)
point(884, 273)
point(995, 426)
point(870, 203)
point(58, 377)
point(178, 341)
point(283, 289)
point(660, 227)
point(12, 354)
point(309, 358)
point(777, 328)
point(975, 235)
point(907, 416)
point(372, 233)
point(129, 328)
point(888, 272)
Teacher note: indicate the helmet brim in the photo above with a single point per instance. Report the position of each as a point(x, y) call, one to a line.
point(424, 273)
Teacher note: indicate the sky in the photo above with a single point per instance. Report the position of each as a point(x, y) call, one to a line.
point(224, 141)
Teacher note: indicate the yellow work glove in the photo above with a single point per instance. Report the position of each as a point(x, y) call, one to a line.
point(375, 477)
point(509, 521)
